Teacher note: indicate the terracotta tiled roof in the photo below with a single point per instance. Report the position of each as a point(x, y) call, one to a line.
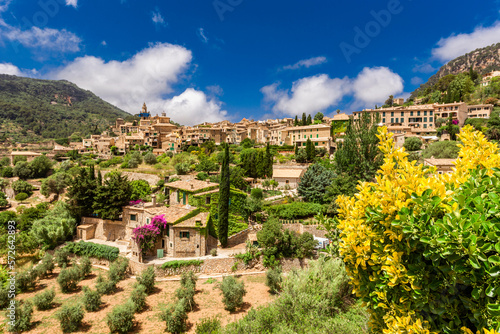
point(191, 222)
point(291, 173)
point(439, 162)
point(191, 185)
point(171, 213)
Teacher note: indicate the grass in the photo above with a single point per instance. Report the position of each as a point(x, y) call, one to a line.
point(181, 263)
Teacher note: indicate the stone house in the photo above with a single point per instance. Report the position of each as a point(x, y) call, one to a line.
point(288, 178)
point(443, 166)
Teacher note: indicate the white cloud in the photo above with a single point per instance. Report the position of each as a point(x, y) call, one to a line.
point(306, 63)
point(4, 4)
point(157, 18)
point(104, 43)
point(424, 68)
point(8, 68)
point(417, 81)
point(202, 35)
point(192, 107)
point(73, 3)
point(147, 76)
point(374, 85)
point(320, 92)
point(46, 38)
point(308, 95)
point(458, 45)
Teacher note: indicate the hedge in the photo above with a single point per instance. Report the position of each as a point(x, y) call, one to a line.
point(294, 210)
point(181, 263)
point(90, 249)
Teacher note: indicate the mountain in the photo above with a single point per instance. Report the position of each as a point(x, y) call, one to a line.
point(482, 60)
point(33, 109)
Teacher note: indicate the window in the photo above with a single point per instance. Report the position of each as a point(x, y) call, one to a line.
point(183, 235)
point(392, 120)
point(315, 144)
point(287, 181)
point(425, 126)
point(430, 113)
point(425, 113)
point(133, 217)
point(397, 120)
point(317, 136)
point(418, 113)
point(207, 200)
point(147, 220)
point(411, 113)
point(392, 113)
point(383, 120)
point(402, 113)
point(383, 114)
point(430, 119)
point(425, 119)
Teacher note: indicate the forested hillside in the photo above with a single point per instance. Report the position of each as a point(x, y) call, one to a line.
point(481, 60)
point(32, 109)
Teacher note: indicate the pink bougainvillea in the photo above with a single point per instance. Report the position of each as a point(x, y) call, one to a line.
point(160, 221)
point(455, 122)
point(139, 201)
point(145, 236)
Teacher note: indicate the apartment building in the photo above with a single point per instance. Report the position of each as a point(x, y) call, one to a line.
point(488, 76)
point(479, 111)
point(319, 134)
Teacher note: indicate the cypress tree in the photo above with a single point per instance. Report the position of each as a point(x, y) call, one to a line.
point(269, 162)
point(224, 192)
point(296, 149)
point(304, 119)
point(309, 120)
point(99, 178)
point(296, 122)
point(310, 150)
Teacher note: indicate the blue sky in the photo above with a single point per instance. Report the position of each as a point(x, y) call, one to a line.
point(228, 59)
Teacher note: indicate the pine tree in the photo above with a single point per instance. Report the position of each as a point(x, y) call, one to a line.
point(296, 122)
point(112, 196)
point(81, 193)
point(309, 120)
point(224, 193)
point(304, 119)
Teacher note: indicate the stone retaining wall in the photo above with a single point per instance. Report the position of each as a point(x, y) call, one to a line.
point(239, 237)
point(315, 230)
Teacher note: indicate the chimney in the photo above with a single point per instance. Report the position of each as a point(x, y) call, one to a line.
point(192, 186)
point(208, 181)
point(153, 199)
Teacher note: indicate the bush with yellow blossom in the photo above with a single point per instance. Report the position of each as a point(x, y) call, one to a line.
point(423, 249)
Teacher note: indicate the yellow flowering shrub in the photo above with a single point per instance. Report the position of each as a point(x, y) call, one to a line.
point(423, 249)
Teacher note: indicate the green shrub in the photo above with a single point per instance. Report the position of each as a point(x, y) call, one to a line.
point(314, 300)
point(22, 311)
point(91, 249)
point(274, 279)
point(175, 317)
point(70, 317)
point(188, 277)
point(121, 318)
point(62, 257)
point(91, 299)
point(186, 292)
point(208, 326)
point(138, 297)
point(105, 286)
point(232, 293)
point(46, 266)
point(21, 197)
point(150, 158)
point(147, 278)
point(257, 193)
point(181, 263)
point(44, 300)
point(4, 297)
point(294, 210)
point(182, 168)
point(118, 269)
point(202, 176)
point(213, 252)
point(68, 279)
point(26, 280)
point(85, 267)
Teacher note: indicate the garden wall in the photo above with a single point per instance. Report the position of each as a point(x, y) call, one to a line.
point(239, 237)
point(315, 230)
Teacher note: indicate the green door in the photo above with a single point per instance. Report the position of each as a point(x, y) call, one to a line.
point(184, 198)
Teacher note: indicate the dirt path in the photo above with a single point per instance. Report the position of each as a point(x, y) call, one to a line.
point(208, 299)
